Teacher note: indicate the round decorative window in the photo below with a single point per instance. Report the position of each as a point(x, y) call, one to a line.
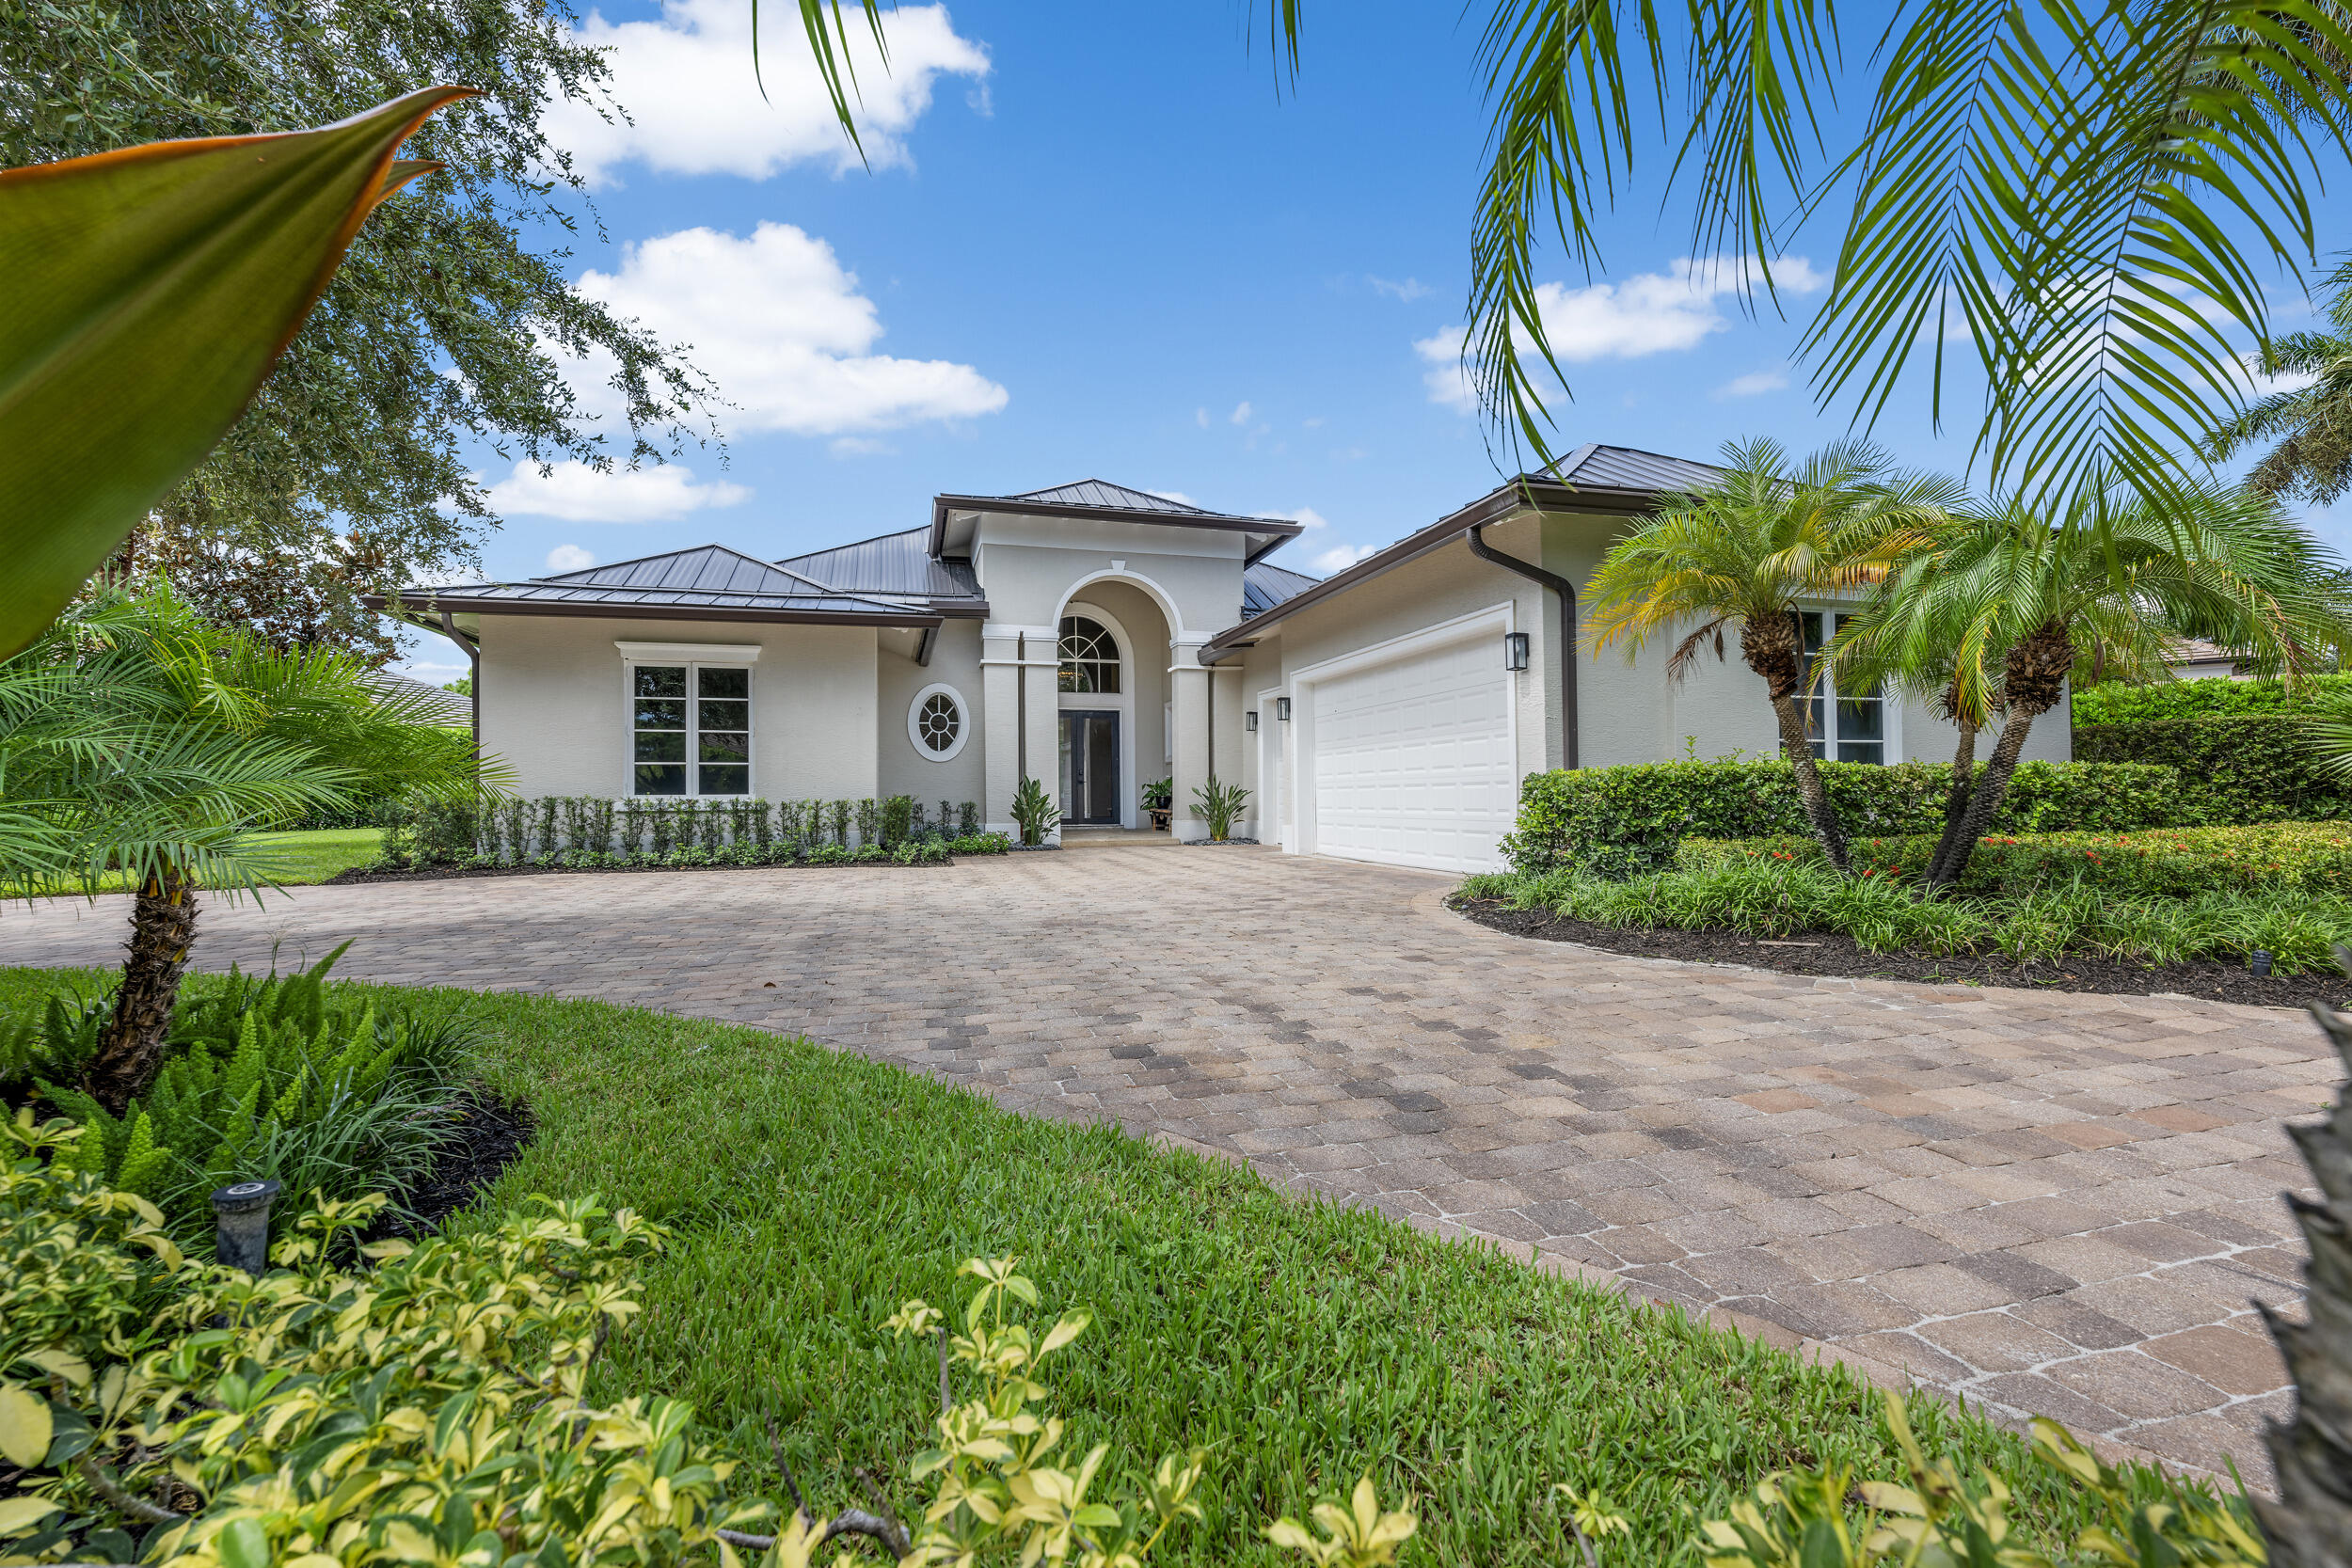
point(937, 724)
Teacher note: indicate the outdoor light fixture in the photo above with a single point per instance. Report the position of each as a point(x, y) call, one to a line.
point(1515, 650)
point(1282, 709)
point(1249, 722)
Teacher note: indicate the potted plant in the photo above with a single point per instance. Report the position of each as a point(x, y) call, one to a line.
point(1159, 800)
point(1035, 812)
point(1219, 804)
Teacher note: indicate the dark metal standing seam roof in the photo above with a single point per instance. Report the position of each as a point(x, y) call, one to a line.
point(1116, 502)
point(1102, 492)
point(711, 582)
point(1262, 587)
point(890, 563)
point(1596, 467)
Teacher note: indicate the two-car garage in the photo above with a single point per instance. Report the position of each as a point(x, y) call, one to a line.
point(1407, 756)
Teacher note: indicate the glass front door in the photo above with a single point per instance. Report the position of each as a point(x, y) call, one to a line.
point(1090, 768)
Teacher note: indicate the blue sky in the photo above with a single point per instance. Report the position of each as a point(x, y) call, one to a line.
point(1095, 241)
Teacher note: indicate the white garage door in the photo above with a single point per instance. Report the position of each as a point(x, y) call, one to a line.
point(1413, 761)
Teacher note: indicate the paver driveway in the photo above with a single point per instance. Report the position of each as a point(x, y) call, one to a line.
point(2051, 1203)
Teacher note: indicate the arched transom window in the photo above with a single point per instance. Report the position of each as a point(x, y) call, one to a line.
point(1089, 656)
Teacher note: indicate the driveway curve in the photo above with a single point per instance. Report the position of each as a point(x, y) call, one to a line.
point(2055, 1203)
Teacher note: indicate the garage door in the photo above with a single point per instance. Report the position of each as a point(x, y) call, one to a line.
point(1412, 762)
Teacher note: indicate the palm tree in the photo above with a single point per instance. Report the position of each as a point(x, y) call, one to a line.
point(139, 742)
point(1750, 551)
point(2002, 607)
point(2089, 188)
point(2311, 424)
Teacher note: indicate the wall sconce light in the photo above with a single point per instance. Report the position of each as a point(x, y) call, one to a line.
point(1515, 650)
point(1282, 709)
point(1249, 722)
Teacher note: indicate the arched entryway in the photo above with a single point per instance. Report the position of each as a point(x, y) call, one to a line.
point(1112, 646)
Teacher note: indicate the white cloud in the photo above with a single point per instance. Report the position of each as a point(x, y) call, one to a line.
point(778, 324)
point(1339, 558)
point(1754, 384)
point(1176, 496)
point(1201, 418)
point(578, 494)
point(1447, 378)
point(687, 84)
point(1240, 414)
point(1410, 290)
point(569, 558)
point(858, 446)
point(1306, 516)
point(1652, 313)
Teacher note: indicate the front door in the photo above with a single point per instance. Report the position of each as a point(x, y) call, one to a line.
point(1090, 768)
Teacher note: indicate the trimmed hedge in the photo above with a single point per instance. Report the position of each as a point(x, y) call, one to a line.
point(1620, 822)
point(2173, 862)
point(2214, 697)
point(2231, 770)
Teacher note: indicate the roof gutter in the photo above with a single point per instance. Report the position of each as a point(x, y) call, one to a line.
point(473, 673)
point(1566, 591)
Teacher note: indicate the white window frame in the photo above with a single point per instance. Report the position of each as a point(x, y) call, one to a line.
point(693, 656)
point(1890, 739)
point(914, 724)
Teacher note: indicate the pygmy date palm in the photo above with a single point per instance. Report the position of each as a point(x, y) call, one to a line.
point(2004, 606)
point(138, 742)
point(1752, 552)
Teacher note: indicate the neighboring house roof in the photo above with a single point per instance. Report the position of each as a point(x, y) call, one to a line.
point(1264, 586)
point(442, 708)
point(2195, 653)
point(954, 518)
point(1593, 478)
point(710, 583)
point(893, 564)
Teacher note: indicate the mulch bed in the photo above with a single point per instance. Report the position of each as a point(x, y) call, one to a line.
point(457, 872)
point(1832, 953)
point(491, 1134)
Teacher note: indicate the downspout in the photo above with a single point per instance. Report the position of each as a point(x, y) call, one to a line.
point(1566, 591)
point(473, 675)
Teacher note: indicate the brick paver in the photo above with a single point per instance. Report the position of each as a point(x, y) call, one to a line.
point(2050, 1203)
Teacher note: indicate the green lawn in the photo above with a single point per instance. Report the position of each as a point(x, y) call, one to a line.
point(300, 859)
point(1300, 1344)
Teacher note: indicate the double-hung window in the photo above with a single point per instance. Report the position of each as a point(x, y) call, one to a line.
point(1843, 726)
point(690, 729)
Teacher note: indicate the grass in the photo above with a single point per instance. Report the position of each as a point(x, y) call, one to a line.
point(1300, 1344)
point(297, 859)
point(1766, 899)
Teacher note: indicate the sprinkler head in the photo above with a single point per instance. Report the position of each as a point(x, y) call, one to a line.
point(2259, 962)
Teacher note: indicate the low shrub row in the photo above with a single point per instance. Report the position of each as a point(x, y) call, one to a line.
point(2216, 697)
point(262, 1079)
point(2173, 863)
point(1775, 899)
point(591, 831)
point(2231, 770)
point(1627, 821)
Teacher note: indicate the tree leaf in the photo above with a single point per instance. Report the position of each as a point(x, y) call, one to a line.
point(17, 1514)
point(24, 1426)
point(149, 290)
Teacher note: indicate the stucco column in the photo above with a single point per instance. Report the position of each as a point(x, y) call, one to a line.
point(1225, 742)
point(1042, 704)
point(1189, 694)
point(1000, 722)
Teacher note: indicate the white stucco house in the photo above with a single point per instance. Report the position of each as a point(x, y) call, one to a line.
point(1100, 638)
